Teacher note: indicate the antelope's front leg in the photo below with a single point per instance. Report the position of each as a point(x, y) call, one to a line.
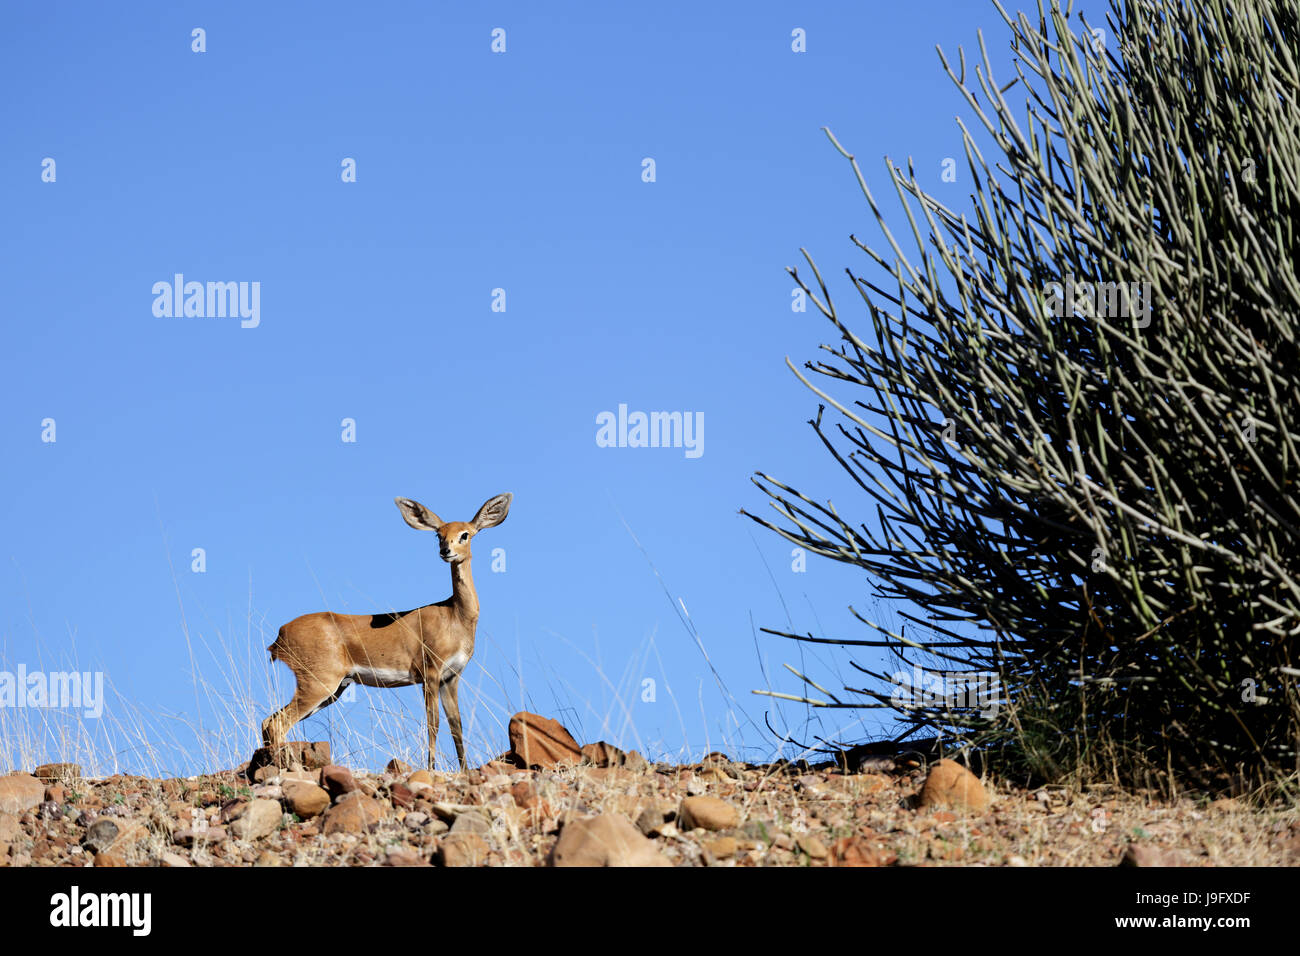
point(450, 703)
point(431, 714)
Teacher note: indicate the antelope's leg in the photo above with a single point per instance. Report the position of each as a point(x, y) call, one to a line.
point(451, 704)
point(307, 699)
point(431, 688)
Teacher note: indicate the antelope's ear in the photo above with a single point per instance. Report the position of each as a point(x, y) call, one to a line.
point(418, 516)
point(493, 512)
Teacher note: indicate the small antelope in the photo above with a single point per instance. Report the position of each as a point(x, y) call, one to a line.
point(430, 645)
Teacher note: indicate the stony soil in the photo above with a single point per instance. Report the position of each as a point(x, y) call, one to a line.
point(714, 813)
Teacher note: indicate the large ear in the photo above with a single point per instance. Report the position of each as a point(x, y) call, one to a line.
point(493, 512)
point(418, 516)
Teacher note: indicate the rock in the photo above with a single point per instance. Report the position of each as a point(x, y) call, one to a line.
point(462, 849)
point(397, 767)
point(404, 856)
point(707, 812)
point(19, 792)
point(260, 818)
point(402, 796)
point(650, 821)
point(173, 859)
point(10, 831)
point(868, 783)
point(56, 793)
point(812, 846)
point(305, 799)
point(113, 835)
point(605, 840)
point(1146, 855)
point(859, 851)
point(472, 821)
point(723, 847)
point(420, 778)
point(294, 755)
point(525, 795)
point(353, 814)
point(338, 781)
point(58, 771)
point(952, 785)
point(109, 859)
point(634, 762)
point(191, 837)
point(267, 858)
point(541, 742)
point(603, 755)
point(448, 812)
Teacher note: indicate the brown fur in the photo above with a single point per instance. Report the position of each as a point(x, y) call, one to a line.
point(429, 645)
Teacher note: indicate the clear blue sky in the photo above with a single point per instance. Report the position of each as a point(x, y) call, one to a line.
point(475, 171)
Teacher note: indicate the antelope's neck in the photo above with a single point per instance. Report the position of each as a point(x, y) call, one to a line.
point(462, 591)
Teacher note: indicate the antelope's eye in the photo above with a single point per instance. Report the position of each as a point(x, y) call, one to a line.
point(464, 536)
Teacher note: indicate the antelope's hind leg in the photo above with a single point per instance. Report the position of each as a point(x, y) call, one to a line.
point(307, 700)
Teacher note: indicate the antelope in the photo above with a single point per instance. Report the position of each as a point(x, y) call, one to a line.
point(430, 645)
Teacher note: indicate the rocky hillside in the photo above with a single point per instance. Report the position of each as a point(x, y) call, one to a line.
point(550, 802)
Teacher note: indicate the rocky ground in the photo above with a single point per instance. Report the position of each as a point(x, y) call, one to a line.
point(549, 802)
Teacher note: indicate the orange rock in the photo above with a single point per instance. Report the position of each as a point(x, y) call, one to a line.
point(606, 840)
point(542, 742)
point(338, 781)
point(859, 851)
point(525, 795)
point(305, 799)
point(19, 792)
point(707, 812)
point(462, 849)
point(952, 785)
point(58, 771)
point(420, 779)
point(355, 813)
point(603, 755)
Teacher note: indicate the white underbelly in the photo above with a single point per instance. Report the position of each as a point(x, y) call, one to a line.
point(453, 665)
point(381, 676)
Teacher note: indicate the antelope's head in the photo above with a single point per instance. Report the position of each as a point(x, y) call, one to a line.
point(454, 537)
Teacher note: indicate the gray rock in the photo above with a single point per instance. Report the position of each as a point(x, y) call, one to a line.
point(101, 835)
point(471, 821)
point(650, 821)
